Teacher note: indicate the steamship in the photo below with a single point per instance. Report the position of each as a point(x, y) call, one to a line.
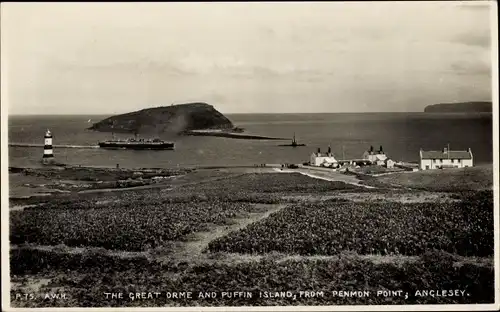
point(135, 143)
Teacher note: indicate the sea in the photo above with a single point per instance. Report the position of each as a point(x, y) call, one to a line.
point(401, 135)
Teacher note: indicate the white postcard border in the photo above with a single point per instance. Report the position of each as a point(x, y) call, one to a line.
point(445, 307)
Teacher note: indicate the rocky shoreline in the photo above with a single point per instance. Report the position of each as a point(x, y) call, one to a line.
point(70, 179)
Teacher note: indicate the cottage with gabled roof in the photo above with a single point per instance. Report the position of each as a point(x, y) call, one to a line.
point(378, 157)
point(445, 159)
point(323, 159)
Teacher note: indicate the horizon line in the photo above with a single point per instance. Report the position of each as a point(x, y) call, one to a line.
point(262, 113)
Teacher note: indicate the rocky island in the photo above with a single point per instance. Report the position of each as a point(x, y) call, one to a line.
point(200, 119)
point(464, 107)
point(174, 118)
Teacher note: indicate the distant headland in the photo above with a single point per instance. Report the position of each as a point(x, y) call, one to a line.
point(198, 119)
point(463, 107)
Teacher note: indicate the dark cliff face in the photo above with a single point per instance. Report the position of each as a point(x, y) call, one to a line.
point(465, 107)
point(166, 119)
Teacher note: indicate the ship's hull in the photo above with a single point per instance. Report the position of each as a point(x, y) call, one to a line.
point(137, 145)
point(292, 145)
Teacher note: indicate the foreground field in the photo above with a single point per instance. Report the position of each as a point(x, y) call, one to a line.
point(330, 227)
point(125, 226)
point(240, 232)
point(89, 277)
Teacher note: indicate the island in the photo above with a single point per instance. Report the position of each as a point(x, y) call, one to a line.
point(463, 107)
point(193, 119)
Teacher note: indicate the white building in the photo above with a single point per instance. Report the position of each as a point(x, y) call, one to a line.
point(378, 157)
point(323, 160)
point(445, 159)
point(389, 163)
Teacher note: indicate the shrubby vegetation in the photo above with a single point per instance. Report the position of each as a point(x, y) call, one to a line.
point(142, 219)
point(464, 228)
point(128, 226)
point(434, 270)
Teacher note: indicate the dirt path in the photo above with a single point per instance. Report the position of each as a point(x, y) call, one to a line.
point(22, 207)
point(30, 284)
point(80, 250)
point(486, 262)
point(192, 249)
point(195, 248)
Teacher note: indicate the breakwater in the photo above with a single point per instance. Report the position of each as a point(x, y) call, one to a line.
point(232, 135)
point(55, 146)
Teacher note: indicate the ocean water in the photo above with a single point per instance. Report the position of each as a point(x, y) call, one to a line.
point(401, 135)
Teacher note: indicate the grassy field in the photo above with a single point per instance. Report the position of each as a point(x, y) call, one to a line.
point(375, 169)
point(446, 180)
point(227, 231)
point(226, 185)
point(275, 183)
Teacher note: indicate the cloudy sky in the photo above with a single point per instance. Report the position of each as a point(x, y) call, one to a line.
point(104, 58)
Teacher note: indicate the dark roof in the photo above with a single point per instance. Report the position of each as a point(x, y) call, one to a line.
point(443, 155)
point(323, 154)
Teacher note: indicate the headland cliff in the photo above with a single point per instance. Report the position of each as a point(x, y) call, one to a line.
point(464, 107)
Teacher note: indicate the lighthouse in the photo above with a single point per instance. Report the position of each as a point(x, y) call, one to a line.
point(48, 153)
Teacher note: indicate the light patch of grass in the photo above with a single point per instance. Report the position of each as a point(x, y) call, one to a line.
point(447, 180)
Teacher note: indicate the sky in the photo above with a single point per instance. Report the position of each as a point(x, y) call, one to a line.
point(243, 57)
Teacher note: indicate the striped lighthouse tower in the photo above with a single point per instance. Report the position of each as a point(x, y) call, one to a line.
point(48, 153)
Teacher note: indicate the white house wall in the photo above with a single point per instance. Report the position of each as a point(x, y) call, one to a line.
point(437, 163)
point(426, 164)
point(318, 161)
point(467, 162)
